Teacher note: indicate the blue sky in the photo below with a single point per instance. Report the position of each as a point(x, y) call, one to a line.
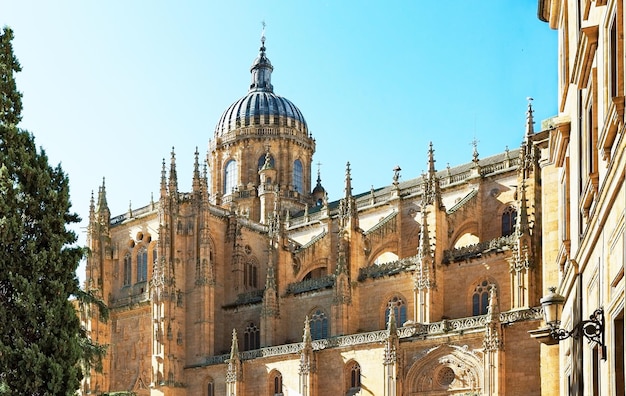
point(109, 87)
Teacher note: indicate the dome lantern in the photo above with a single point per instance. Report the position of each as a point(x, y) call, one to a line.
point(261, 71)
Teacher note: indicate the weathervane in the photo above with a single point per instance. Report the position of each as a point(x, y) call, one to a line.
point(474, 143)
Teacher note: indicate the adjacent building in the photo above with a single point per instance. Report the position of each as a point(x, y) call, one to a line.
point(584, 198)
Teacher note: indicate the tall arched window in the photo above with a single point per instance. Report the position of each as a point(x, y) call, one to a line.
point(276, 383)
point(230, 177)
point(142, 265)
point(319, 325)
point(251, 337)
point(298, 181)
point(250, 275)
point(509, 217)
point(353, 373)
point(480, 298)
point(399, 310)
point(128, 270)
point(210, 388)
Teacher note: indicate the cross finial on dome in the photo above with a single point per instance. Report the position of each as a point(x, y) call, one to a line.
point(261, 69)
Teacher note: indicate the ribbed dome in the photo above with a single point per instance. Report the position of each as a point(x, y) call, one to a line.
point(261, 106)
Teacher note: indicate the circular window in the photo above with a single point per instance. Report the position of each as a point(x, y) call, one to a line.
point(445, 376)
point(247, 249)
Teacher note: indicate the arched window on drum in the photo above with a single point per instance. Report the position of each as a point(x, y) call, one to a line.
point(230, 177)
point(298, 179)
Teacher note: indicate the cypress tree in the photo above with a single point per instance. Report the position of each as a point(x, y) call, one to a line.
point(42, 344)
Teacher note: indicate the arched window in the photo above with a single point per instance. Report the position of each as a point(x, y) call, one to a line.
point(298, 181)
point(210, 388)
point(399, 310)
point(262, 161)
point(353, 378)
point(142, 265)
point(480, 298)
point(127, 270)
point(250, 275)
point(385, 257)
point(251, 337)
point(509, 217)
point(319, 325)
point(276, 383)
point(230, 177)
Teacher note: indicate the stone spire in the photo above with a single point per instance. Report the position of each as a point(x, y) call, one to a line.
point(261, 70)
point(522, 258)
point(493, 340)
point(195, 183)
point(424, 250)
point(92, 209)
point(306, 371)
point(528, 154)
point(234, 371)
point(348, 187)
point(432, 194)
point(306, 336)
point(234, 346)
point(424, 275)
point(492, 344)
point(102, 208)
point(390, 356)
point(530, 129)
point(204, 183)
point(347, 206)
point(173, 185)
point(392, 327)
point(163, 180)
point(270, 279)
point(521, 223)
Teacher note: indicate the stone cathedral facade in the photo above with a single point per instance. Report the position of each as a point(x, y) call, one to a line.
point(254, 283)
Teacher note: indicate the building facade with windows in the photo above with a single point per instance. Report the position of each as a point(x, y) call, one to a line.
point(583, 172)
point(255, 283)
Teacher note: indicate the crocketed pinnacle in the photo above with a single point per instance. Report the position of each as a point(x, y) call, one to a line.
point(348, 188)
point(195, 185)
point(530, 129)
point(306, 337)
point(234, 347)
point(173, 177)
point(521, 224)
point(392, 327)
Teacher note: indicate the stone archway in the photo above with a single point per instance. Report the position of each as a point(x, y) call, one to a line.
point(445, 370)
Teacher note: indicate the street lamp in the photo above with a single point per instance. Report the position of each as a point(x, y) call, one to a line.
point(592, 329)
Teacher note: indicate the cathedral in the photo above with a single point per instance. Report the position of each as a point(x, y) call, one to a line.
point(254, 283)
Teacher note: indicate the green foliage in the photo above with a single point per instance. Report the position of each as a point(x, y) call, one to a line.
point(10, 99)
point(42, 344)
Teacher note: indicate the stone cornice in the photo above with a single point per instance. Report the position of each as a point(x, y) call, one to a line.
point(587, 45)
